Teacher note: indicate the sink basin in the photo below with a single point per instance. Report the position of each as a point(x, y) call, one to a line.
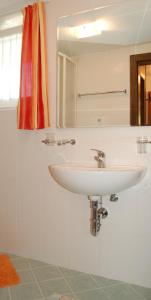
point(89, 180)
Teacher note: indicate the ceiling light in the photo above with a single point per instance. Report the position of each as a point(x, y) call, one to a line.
point(90, 29)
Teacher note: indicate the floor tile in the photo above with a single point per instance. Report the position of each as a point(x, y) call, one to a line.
point(121, 292)
point(102, 281)
point(4, 295)
point(24, 292)
point(46, 273)
point(36, 264)
point(58, 286)
point(21, 264)
point(57, 283)
point(26, 276)
point(142, 291)
point(81, 283)
point(60, 297)
point(92, 295)
point(12, 256)
point(70, 273)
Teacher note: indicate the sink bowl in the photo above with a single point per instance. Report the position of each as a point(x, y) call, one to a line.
point(89, 180)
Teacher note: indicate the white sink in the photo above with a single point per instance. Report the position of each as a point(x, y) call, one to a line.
point(87, 179)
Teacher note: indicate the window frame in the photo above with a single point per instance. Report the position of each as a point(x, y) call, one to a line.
point(9, 105)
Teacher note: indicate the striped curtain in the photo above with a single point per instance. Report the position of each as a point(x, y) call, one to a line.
point(33, 111)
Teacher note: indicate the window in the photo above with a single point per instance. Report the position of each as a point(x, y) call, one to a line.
point(10, 56)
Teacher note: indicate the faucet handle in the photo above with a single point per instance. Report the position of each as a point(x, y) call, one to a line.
point(100, 152)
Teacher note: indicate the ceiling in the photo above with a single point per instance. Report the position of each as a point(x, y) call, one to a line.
point(8, 6)
point(130, 24)
point(10, 15)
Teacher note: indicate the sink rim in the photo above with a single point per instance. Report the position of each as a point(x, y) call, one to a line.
point(73, 166)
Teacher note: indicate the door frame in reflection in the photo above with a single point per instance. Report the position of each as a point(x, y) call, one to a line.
point(138, 109)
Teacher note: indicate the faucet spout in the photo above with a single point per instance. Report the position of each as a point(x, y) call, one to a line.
point(99, 158)
point(100, 161)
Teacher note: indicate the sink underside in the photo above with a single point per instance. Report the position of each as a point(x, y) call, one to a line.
point(88, 180)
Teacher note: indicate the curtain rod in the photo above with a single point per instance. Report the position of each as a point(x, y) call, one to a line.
point(16, 8)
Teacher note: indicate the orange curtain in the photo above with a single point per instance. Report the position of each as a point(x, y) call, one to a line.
point(33, 110)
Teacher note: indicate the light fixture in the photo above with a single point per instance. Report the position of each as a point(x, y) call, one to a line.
point(90, 29)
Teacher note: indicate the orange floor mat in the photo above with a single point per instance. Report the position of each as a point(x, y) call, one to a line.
point(8, 275)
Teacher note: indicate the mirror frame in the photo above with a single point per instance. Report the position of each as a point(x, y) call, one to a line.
point(135, 61)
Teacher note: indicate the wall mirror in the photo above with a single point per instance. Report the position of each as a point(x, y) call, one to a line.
point(94, 51)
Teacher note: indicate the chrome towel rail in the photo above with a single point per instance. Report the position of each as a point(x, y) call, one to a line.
point(102, 93)
point(49, 142)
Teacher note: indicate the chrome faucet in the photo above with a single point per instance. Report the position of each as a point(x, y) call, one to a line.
point(99, 158)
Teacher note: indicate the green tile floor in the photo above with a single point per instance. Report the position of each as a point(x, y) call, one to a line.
point(41, 281)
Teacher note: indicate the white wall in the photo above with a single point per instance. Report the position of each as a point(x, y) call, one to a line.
point(40, 219)
point(8, 200)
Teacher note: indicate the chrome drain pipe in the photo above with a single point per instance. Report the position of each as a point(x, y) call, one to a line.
point(96, 213)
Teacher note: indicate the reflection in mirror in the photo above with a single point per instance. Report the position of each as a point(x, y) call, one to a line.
point(144, 94)
point(93, 65)
point(140, 70)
